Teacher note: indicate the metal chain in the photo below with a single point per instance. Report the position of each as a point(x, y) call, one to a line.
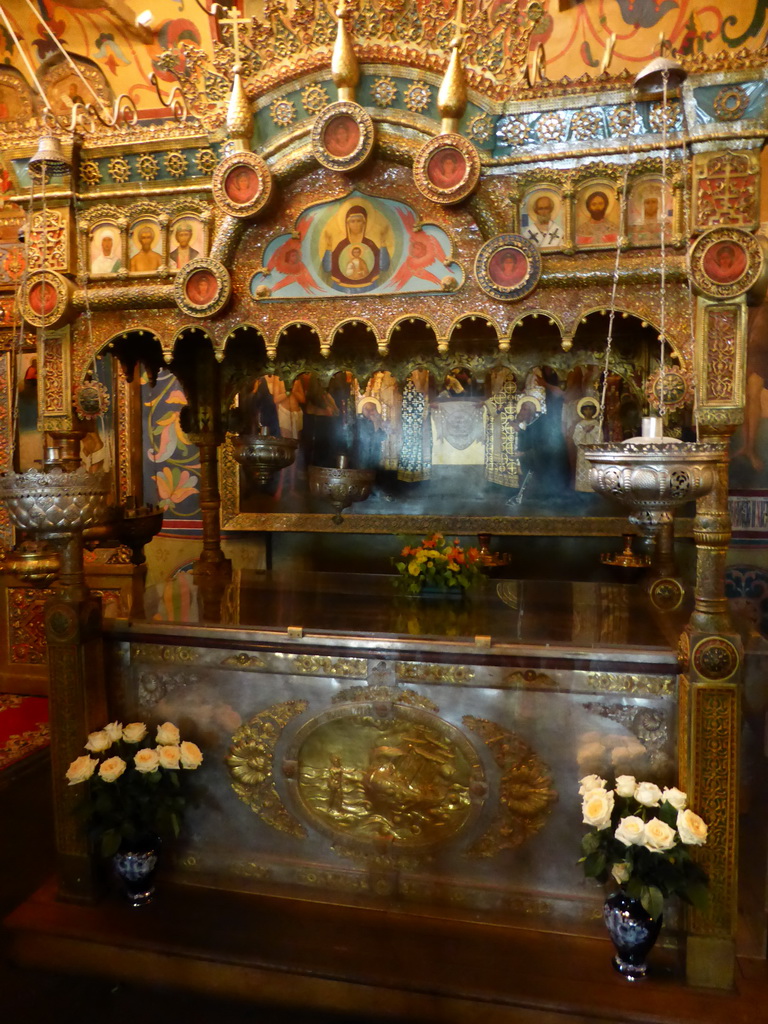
point(663, 294)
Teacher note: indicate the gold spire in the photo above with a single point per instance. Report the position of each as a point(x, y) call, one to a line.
point(239, 115)
point(344, 66)
point(452, 95)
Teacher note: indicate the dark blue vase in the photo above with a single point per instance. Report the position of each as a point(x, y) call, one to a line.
point(633, 932)
point(134, 867)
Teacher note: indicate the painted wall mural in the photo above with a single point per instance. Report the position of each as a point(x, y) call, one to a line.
point(499, 38)
point(360, 245)
point(171, 461)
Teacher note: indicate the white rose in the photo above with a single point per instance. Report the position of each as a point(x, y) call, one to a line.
point(191, 756)
point(631, 831)
point(167, 733)
point(146, 760)
point(81, 769)
point(596, 808)
point(590, 782)
point(98, 741)
point(112, 769)
point(135, 732)
point(692, 829)
point(647, 794)
point(169, 755)
point(625, 785)
point(676, 797)
point(659, 836)
point(114, 730)
point(621, 872)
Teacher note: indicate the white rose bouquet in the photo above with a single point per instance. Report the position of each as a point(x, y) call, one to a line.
point(134, 790)
point(640, 837)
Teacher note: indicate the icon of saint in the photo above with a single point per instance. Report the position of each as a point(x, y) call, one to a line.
point(201, 288)
point(42, 298)
point(183, 253)
point(341, 136)
point(107, 261)
point(507, 267)
point(338, 257)
point(146, 260)
point(596, 227)
point(724, 262)
point(542, 228)
point(447, 168)
point(241, 184)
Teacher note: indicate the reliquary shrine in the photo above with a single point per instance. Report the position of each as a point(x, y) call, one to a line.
point(281, 285)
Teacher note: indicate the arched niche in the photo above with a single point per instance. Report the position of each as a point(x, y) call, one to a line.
point(354, 340)
point(245, 358)
point(136, 348)
point(411, 339)
point(197, 369)
point(474, 335)
point(298, 342)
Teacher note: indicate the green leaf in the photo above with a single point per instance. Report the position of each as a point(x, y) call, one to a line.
point(697, 895)
point(590, 843)
point(653, 900)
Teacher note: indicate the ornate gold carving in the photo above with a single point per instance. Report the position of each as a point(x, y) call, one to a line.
point(385, 696)
point(480, 128)
point(242, 184)
point(721, 341)
point(282, 112)
point(714, 793)
point(46, 298)
point(251, 765)
point(587, 124)
point(342, 136)
point(370, 774)
point(731, 102)
point(551, 127)
point(435, 183)
point(529, 679)
point(119, 169)
point(726, 262)
point(384, 91)
point(149, 168)
point(314, 98)
point(508, 267)
point(726, 189)
point(417, 97)
point(156, 654)
point(615, 682)
point(55, 373)
point(202, 287)
point(319, 665)
point(251, 662)
point(176, 164)
point(422, 672)
point(526, 793)
point(49, 240)
point(715, 658)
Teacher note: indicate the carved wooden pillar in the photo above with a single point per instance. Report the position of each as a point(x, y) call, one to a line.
point(212, 559)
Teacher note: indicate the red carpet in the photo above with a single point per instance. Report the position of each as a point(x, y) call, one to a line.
point(23, 727)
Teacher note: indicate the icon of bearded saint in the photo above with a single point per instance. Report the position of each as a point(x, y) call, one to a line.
point(423, 250)
point(287, 260)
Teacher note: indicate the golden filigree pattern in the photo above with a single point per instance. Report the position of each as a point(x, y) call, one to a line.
point(615, 682)
point(157, 654)
point(587, 124)
point(205, 161)
point(384, 91)
point(176, 164)
point(320, 665)
point(250, 662)
point(726, 190)
point(551, 127)
point(90, 172)
point(314, 98)
point(282, 112)
point(424, 672)
point(251, 765)
point(148, 166)
point(722, 325)
point(480, 127)
point(731, 103)
point(119, 169)
point(48, 240)
point(512, 131)
point(417, 97)
point(526, 792)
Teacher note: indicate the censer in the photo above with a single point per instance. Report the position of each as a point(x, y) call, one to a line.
point(652, 475)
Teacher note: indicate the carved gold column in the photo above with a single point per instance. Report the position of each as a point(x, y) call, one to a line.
point(711, 655)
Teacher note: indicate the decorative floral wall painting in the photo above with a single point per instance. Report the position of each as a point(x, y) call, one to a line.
point(171, 462)
point(358, 245)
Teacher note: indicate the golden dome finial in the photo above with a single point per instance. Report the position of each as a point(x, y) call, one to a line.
point(344, 67)
point(452, 95)
point(239, 114)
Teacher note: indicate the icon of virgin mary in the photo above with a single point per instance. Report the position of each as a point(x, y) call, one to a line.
point(355, 262)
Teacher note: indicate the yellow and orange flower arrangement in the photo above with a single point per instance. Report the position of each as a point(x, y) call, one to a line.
point(437, 564)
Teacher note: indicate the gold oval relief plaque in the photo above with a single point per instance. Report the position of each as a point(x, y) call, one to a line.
point(398, 775)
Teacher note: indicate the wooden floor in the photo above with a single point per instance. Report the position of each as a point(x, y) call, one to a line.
point(306, 963)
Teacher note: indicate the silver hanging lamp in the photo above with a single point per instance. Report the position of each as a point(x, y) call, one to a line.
point(653, 475)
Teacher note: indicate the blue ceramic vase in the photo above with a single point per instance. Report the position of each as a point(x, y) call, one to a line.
point(633, 932)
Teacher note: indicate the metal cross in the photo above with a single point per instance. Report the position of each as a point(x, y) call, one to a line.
point(235, 21)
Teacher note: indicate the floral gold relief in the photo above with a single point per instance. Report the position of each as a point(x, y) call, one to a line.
point(251, 760)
